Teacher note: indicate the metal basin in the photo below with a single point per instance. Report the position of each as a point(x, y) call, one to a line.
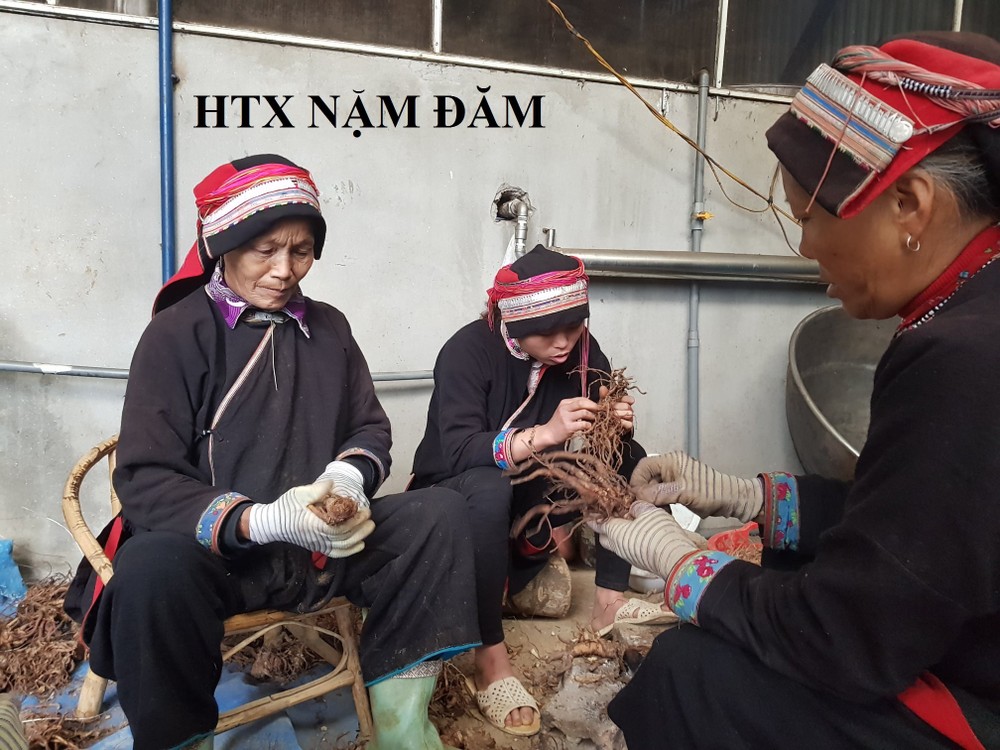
point(831, 365)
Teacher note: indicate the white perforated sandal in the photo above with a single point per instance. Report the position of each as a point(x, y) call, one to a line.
point(502, 697)
point(639, 612)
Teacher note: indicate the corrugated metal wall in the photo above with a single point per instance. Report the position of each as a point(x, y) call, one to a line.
point(767, 41)
point(781, 41)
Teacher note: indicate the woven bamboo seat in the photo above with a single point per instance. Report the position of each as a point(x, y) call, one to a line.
point(346, 667)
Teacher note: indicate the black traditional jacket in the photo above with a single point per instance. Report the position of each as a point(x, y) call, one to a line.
point(898, 572)
point(478, 387)
point(214, 414)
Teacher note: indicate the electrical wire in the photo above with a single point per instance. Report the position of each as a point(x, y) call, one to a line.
point(713, 165)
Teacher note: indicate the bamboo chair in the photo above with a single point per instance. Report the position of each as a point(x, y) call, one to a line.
point(346, 665)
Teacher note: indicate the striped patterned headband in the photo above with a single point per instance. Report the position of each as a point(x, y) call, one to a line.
point(544, 302)
point(862, 125)
point(878, 111)
point(970, 101)
point(538, 295)
point(250, 191)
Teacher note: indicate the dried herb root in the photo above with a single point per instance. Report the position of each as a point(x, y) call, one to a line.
point(334, 509)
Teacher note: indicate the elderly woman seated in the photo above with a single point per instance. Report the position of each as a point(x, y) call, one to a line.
point(875, 619)
point(246, 403)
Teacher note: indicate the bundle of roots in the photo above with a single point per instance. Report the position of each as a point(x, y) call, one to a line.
point(38, 653)
point(603, 440)
point(585, 484)
point(585, 481)
point(38, 647)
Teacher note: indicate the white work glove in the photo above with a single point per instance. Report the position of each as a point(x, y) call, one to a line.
point(652, 541)
point(288, 519)
point(347, 481)
point(675, 477)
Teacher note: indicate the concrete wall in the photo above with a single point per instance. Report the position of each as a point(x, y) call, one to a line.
point(411, 247)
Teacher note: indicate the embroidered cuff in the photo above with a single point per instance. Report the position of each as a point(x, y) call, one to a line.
point(371, 457)
point(501, 448)
point(211, 522)
point(781, 511)
point(689, 579)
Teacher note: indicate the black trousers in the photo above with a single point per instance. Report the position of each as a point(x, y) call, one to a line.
point(695, 690)
point(159, 623)
point(492, 505)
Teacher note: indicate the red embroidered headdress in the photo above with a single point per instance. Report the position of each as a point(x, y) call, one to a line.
point(539, 292)
point(875, 112)
point(237, 202)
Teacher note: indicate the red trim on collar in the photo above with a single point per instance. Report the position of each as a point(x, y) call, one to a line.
point(983, 249)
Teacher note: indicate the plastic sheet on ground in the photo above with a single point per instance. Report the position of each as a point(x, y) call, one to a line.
point(328, 722)
point(12, 588)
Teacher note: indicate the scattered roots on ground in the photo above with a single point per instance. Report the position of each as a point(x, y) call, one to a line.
point(451, 701)
point(550, 670)
point(451, 697)
point(38, 653)
point(53, 731)
point(278, 656)
point(38, 646)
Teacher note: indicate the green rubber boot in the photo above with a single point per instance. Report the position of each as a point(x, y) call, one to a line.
point(399, 714)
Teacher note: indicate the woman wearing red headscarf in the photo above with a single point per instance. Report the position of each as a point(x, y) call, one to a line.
point(514, 382)
point(246, 402)
point(875, 618)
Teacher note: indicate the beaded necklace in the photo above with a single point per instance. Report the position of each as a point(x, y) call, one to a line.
point(982, 251)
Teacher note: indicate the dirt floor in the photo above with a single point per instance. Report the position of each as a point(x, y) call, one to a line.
point(573, 692)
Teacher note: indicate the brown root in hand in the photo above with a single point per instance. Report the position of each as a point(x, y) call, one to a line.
point(588, 479)
point(604, 438)
point(595, 490)
point(334, 509)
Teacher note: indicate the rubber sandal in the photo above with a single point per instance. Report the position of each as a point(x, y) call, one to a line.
point(639, 612)
point(502, 697)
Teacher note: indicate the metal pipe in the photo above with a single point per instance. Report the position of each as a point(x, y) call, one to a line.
point(687, 266)
point(521, 230)
point(166, 73)
point(437, 24)
point(74, 370)
point(697, 230)
point(31, 8)
point(44, 368)
point(516, 208)
point(720, 40)
point(956, 21)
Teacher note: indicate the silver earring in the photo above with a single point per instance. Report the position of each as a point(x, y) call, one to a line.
point(909, 245)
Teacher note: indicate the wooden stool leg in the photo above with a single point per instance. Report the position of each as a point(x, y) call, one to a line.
point(91, 696)
point(313, 640)
point(345, 624)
